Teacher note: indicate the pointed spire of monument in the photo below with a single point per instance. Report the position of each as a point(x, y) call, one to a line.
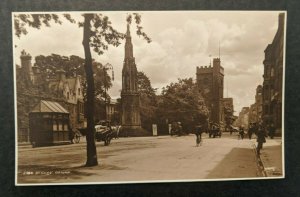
point(128, 31)
point(128, 44)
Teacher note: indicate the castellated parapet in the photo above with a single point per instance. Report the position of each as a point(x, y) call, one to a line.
point(204, 69)
point(210, 80)
point(26, 66)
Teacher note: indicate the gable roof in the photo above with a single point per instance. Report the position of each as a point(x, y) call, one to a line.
point(49, 106)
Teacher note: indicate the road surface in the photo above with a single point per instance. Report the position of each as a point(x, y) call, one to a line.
point(139, 159)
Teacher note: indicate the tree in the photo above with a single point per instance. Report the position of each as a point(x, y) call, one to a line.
point(73, 66)
point(182, 102)
point(98, 33)
point(48, 65)
point(148, 100)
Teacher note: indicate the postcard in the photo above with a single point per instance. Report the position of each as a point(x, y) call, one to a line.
point(148, 96)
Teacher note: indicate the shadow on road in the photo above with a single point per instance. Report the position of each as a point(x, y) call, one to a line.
point(238, 163)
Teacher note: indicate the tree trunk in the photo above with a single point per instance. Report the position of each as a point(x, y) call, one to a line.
point(90, 136)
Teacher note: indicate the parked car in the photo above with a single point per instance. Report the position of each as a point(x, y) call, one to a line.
point(214, 131)
point(176, 128)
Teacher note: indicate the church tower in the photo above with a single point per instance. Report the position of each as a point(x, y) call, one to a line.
point(210, 81)
point(130, 98)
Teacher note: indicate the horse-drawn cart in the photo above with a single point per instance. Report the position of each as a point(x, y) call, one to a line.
point(103, 133)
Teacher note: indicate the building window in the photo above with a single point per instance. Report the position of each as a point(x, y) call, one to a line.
point(68, 95)
point(60, 126)
point(65, 127)
point(55, 125)
point(78, 91)
point(272, 72)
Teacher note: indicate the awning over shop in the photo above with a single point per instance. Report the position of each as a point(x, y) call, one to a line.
point(49, 106)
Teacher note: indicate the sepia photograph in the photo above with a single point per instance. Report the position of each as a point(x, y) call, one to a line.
point(148, 96)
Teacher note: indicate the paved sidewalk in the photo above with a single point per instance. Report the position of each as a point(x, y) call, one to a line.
point(271, 157)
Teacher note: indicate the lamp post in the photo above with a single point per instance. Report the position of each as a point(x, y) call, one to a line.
point(106, 67)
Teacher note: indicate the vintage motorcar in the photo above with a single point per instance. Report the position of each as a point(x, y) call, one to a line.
point(215, 131)
point(176, 129)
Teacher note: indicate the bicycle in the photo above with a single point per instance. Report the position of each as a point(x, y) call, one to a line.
point(198, 140)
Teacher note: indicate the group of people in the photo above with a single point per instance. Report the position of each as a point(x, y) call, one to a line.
point(254, 128)
point(260, 131)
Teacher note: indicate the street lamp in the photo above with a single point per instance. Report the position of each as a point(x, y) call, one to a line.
point(106, 67)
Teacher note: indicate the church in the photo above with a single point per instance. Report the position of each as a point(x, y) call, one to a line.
point(210, 81)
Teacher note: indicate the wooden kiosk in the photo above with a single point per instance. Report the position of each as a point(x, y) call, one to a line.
point(49, 124)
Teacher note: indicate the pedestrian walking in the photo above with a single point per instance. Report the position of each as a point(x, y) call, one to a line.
point(198, 133)
point(255, 128)
point(179, 129)
point(241, 132)
point(261, 138)
point(272, 131)
point(250, 130)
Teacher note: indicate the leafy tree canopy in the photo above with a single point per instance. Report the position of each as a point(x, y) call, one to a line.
point(182, 102)
point(73, 66)
point(148, 100)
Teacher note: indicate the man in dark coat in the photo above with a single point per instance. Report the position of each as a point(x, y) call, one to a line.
point(261, 138)
point(241, 132)
point(198, 133)
point(272, 131)
point(250, 130)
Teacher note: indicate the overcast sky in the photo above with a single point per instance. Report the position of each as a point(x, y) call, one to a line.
point(181, 41)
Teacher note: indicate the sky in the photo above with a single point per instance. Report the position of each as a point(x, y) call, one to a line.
point(181, 41)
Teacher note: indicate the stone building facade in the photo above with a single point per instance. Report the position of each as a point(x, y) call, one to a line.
point(243, 118)
point(32, 87)
point(130, 97)
point(273, 78)
point(210, 80)
point(255, 111)
point(111, 110)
